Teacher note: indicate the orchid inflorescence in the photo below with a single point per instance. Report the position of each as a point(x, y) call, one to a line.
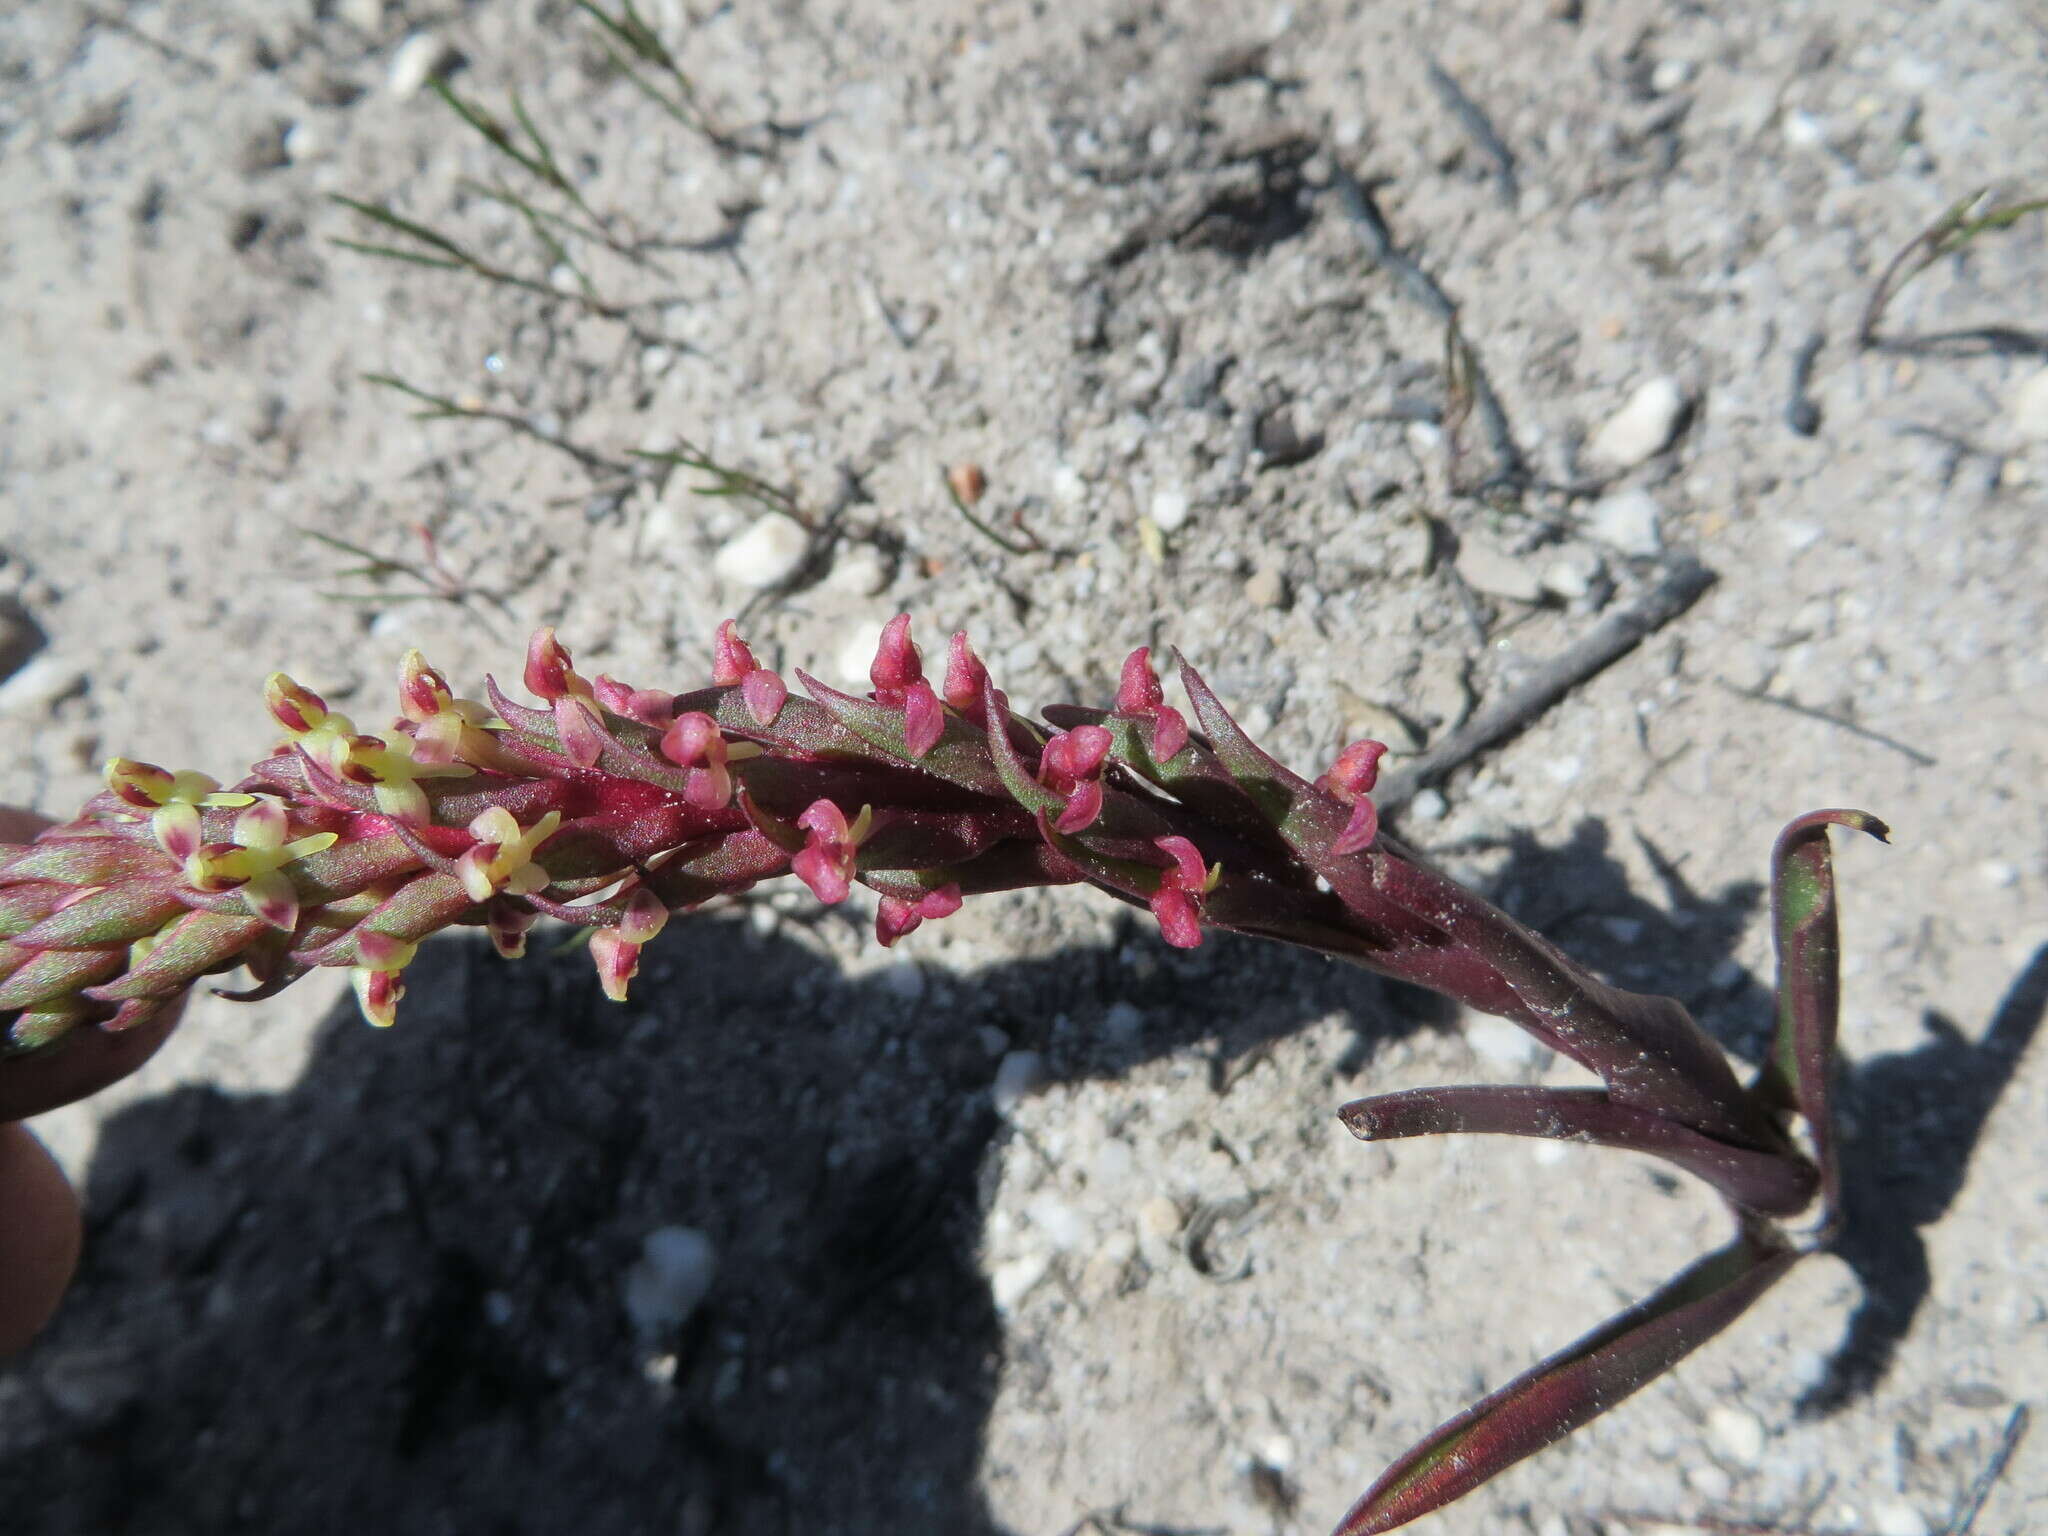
point(610, 807)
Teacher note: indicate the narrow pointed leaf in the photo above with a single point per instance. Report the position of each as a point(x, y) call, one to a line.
point(957, 756)
point(1574, 1386)
point(1799, 1074)
point(1777, 1184)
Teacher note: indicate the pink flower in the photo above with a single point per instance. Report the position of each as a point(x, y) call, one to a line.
point(1071, 765)
point(1349, 782)
point(1139, 694)
point(897, 917)
point(898, 676)
point(826, 863)
point(1176, 903)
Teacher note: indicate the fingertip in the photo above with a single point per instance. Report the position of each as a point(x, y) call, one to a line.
point(41, 1231)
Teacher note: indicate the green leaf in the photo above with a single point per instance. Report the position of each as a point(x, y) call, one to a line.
point(1799, 1074)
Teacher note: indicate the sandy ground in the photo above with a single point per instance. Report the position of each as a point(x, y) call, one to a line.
point(338, 1278)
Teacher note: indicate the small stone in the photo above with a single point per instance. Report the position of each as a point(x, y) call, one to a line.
point(90, 1385)
point(365, 16)
point(1122, 1024)
point(1574, 572)
point(40, 686)
point(1643, 427)
point(862, 572)
point(1429, 805)
point(1626, 930)
point(2030, 408)
point(1803, 130)
point(1502, 1043)
point(1159, 1225)
point(1490, 569)
point(1018, 1075)
point(1064, 1227)
point(1102, 1277)
point(1738, 1433)
point(1709, 1481)
point(1266, 587)
point(1013, 1279)
point(1671, 75)
point(1629, 521)
point(303, 141)
point(1898, 1520)
point(420, 58)
point(1169, 508)
point(670, 1280)
point(1998, 873)
point(656, 359)
point(1411, 548)
point(771, 550)
point(1800, 537)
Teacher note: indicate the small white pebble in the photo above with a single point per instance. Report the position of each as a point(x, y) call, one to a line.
point(1710, 1482)
point(861, 571)
point(1061, 1224)
point(1997, 872)
point(905, 980)
point(673, 1275)
point(1643, 427)
point(1738, 1433)
point(2029, 407)
point(1068, 486)
point(1018, 1076)
point(1800, 537)
point(1498, 1041)
point(1169, 508)
point(1428, 805)
point(1629, 521)
point(1803, 130)
point(1670, 75)
point(363, 15)
point(1572, 574)
point(413, 63)
point(1898, 1519)
point(1012, 1280)
point(767, 554)
point(1122, 1024)
point(1488, 568)
point(304, 141)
